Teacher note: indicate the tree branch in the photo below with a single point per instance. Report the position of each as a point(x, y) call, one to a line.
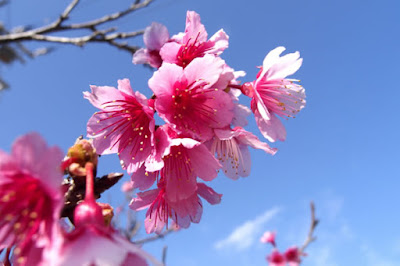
point(41, 33)
point(155, 237)
point(310, 238)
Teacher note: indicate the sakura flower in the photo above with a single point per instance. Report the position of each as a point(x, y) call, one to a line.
point(292, 256)
point(182, 212)
point(268, 237)
point(184, 160)
point(92, 242)
point(188, 99)
point(276, 258)
point(30, 195)
point(154, 37)
point(193, 43)
point(231, 147)
point(273, 95)
point(124, 124)
point(187, 160)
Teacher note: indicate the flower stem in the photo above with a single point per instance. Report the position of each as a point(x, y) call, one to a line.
point(89, 195)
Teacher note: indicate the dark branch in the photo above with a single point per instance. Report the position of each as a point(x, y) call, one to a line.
point(76, 191)
point(104, 36)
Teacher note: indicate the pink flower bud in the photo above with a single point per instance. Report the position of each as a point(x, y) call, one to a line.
point(268, 237)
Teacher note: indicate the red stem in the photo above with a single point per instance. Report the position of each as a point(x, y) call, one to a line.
point(235, 86)
point(89, 196)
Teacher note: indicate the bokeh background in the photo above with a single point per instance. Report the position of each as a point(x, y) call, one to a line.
point(342, 150)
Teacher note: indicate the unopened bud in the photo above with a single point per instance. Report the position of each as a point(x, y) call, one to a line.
point(78, 155)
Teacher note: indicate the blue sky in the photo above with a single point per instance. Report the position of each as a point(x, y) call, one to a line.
point(341, 150)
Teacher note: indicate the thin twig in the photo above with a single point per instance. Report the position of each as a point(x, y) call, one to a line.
point(105, 36)
point(310, 238)
point(155, 237)
point(164, 254)
point(64, 16)
point(111, 17)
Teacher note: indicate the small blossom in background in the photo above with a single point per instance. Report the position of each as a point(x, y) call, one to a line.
point(292, 256)
point(276, 258)
point(268, 237)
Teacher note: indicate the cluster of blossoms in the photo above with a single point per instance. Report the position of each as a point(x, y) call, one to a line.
point(291, 257)
point(196, 93)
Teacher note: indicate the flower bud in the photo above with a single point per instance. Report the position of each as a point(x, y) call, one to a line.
point(77, 157)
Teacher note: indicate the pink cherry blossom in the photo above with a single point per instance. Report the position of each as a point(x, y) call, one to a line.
point(188, 98)
point(231, 148)
point(193, 43)
point(30, 195)
point(187, 160)
point(182, 212)
point(268, 237)
point(184, 160)
point(292, 256)
point(124, 124)
point(273, 95)
point(276, 258)
point(154, 37)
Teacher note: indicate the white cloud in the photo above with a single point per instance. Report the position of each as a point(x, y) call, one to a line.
point(244, 235)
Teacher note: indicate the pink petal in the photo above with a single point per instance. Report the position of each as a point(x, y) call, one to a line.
point(155, 36)
point(247, 138)
point(194, 29)
point(270, 59)
point(204, 163)
point(163, 80)
point(169, 52)
point(207, 68)
point(101, 95)
point(272, 129)
point(143, 200)
point(220, 40)
point(141, 56)
point(286, 66)
point(124, 85)
point(208, 194)
point(142, 179)
point(34, 156)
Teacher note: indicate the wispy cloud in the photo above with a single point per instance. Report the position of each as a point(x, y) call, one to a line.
point(244, 235)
